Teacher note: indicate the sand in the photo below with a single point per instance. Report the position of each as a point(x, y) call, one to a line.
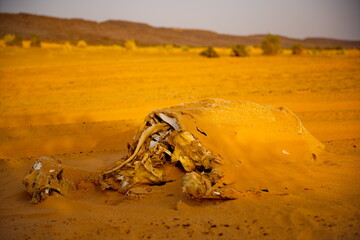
point(83, 106)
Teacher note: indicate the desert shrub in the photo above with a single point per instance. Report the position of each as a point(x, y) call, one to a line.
point(8, 39)
point(168, 47)
point(271, 45)
point(333, 48)
point(81, 44)
point(209, 52)
point(35, 41)
point(297, 49)
point(239, 50)
point(130, 45)
point(13, 40)
point(315, 50)
point(339, 50)
point(185, 48)
point(67, 46)
point(250, 50)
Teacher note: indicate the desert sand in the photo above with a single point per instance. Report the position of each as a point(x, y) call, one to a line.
point(82, 106)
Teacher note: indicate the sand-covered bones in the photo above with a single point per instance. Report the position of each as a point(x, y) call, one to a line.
point(216, 143)
point(162, 141)
point(44, 177)
point(48, 176)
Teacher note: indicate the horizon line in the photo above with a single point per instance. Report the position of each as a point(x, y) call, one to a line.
point(174, 28)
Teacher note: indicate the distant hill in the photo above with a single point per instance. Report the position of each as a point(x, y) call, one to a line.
point(116, 32)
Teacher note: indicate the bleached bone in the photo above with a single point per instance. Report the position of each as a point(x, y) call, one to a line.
point(144, 136)
point(191, 136)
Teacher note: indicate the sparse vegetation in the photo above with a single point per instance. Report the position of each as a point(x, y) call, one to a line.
point(81, 44)
point(168, 47)
point(339, 50)
point(271, 45)
point(185, 48)
point(35, 41)
point(11, 40)
point(333, 48)
point(209, 52)
point(239, 50)
point(88, 102)
point(67, 46)
point(297, 49)
point(315, 50)
point(130, 45)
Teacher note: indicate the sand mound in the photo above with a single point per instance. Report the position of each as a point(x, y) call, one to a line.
point(222, 147)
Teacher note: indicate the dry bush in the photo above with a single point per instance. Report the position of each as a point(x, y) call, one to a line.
point(315, 50)
point(11, 40)
point(130, 45)
point(185, 48)
point(239, 50)
point(35, 41)
point(209, 52)
point(168, 47)
point(271, 45)
point(67, 46)
point(81, 44)
point(297, 49)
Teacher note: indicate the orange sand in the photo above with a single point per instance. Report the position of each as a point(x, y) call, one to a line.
point(83, 105)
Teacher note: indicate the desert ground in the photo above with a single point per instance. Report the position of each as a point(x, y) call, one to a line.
point(83, 105)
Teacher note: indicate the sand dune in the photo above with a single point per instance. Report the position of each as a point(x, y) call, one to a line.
point(86, 116)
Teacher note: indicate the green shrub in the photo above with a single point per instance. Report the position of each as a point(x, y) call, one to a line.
point(13, 40)
point(271, 45)
point(35, 41)
point(239, 50)
point(209, 52)
point(297, 49)
point(81, 44)
point(130, 45)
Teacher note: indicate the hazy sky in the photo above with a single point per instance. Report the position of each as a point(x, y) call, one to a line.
point(293, 18)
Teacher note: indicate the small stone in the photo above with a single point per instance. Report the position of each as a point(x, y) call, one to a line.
point(180, 205)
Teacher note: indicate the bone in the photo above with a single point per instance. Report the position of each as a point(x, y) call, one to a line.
point(49, 175)
point(199, 186)
point(145, 134)
point(171, 121)
point(173, 132)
